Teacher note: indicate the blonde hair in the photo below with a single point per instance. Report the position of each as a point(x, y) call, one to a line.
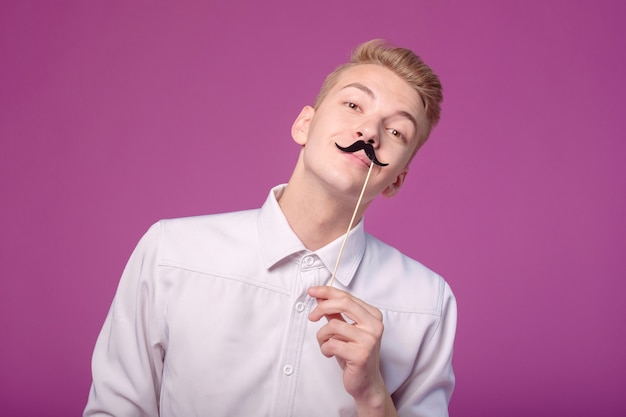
point(403, 62)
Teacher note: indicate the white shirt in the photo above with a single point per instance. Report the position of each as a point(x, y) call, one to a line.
point(210, 319)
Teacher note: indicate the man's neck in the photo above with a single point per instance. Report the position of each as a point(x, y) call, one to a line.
point(315, 216)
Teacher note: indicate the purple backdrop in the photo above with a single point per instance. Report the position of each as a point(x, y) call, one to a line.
point(114, 114)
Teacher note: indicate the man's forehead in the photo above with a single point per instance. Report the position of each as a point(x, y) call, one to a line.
point(367, 78)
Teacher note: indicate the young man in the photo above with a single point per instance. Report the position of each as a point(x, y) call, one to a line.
point(230, 314)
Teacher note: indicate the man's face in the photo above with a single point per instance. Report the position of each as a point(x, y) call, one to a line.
point(370, 103)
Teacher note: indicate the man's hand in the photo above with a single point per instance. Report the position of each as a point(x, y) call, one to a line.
point(352, 335)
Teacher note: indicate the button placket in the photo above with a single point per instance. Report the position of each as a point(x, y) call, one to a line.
point(308, 273)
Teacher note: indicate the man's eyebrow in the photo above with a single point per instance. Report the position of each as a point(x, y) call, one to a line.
point(409, 116)
point(370, 93)
point(361, 87)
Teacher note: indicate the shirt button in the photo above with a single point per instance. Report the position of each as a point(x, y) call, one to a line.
point(309, 261)
point(288, 370)
point(300, 307)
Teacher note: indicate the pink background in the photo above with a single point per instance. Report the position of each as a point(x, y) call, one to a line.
point(114, 114)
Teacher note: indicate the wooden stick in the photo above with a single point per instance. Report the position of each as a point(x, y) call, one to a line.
point(345, 239)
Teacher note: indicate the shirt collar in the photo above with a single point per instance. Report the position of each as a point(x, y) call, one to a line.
point(278, 241)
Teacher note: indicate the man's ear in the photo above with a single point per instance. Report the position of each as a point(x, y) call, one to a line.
point(393, 188)
point(300, 127)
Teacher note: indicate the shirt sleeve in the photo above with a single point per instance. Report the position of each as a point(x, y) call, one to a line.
point(428, 392)
point(127, 361)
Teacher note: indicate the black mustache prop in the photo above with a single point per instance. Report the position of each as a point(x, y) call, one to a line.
point(367, 147)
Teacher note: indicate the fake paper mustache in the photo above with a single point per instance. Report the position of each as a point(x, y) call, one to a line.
point(367, 147)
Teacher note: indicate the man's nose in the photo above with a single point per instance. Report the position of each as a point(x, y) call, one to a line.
point(369, 137)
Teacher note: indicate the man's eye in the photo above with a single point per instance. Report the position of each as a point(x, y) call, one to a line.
point(397, 134)
point(353, 105)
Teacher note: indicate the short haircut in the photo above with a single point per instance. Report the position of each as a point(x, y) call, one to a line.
point(403, 62)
